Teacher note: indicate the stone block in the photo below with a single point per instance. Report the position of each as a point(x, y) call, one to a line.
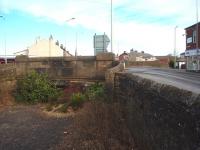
point(105, 56)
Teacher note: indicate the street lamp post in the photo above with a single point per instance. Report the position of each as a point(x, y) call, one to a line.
point(76, 45)
point(197, 35)
point(175, 46)
point(4, 40)
point(111, 28)
point(76, 36)
point(197, 29)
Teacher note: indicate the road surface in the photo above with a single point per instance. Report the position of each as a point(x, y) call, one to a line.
point(179, 78)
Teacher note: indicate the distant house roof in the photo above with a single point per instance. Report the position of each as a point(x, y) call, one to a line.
point(21, 51)
point(140, 54)
point(192, 25)
point(45, 48)
point(124, 53)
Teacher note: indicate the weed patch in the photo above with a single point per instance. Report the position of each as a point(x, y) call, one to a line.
point(77, 100)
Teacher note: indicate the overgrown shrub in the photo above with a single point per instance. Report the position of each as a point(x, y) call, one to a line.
point(77, 100)
point(34, 88)
point(95, 91)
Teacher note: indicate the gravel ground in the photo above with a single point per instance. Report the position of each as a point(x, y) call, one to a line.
point(28, 128)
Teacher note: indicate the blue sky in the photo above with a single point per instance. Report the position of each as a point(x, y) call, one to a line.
point(144, 25)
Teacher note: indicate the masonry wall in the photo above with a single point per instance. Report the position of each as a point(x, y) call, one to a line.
point(7, 83)
point(110, 74)
point(156, 63)
point(160, 117)
point(88, 67)
point(7, 71)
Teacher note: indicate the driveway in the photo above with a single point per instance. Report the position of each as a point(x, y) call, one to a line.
point(28, 128)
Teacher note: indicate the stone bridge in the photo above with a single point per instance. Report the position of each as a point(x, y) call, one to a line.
point(67, 68)
point(61, 70)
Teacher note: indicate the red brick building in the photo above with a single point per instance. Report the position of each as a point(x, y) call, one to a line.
point(123, 57)
point(192, 52)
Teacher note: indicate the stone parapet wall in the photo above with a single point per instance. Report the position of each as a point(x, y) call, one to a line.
point(160, 117)
point(105, 56)
point(86, 67)
point(6, 92)
point(7, 71)
point(7, 83)
point(110, 74)
point(156, 63)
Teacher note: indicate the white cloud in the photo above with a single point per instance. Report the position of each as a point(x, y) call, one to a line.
point(156, 38)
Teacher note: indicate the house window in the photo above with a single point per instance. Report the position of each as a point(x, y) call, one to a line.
point(194, 36)
point(189, 40)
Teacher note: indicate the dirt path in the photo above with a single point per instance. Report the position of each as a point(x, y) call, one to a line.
point(28, 128)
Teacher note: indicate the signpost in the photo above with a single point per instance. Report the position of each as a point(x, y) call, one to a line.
point(101, 43)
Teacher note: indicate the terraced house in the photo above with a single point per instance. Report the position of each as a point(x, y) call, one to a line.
point(192, 52)
point(45, 48)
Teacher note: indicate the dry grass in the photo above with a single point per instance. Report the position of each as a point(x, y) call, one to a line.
point(100, 126)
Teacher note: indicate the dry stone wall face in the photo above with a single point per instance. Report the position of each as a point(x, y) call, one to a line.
point(110, 73)
point(160, 117)
point(6, 92)
point(7, 71)
point(7, 83)
point(88, 67)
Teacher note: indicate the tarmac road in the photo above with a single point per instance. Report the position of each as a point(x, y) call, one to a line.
point(179, 78)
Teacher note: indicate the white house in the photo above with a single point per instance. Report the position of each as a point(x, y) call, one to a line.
point(45, 48)
point(140, 56)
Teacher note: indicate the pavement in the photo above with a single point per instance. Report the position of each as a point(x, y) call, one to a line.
point(179, 78)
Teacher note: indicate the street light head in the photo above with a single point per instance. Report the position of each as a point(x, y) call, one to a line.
point(70, 19)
